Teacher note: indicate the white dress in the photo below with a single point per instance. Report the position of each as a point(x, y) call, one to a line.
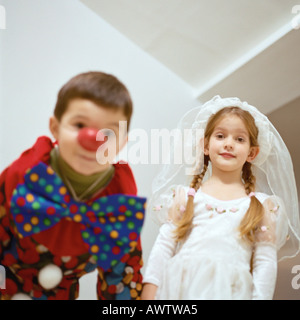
point(214, 261)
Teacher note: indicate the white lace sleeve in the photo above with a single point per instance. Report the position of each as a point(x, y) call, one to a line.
point(162, 250)
point(270, 236)
point(273, 228)
point(170, 205)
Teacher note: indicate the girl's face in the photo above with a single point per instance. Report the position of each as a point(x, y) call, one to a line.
point(85, 113)
point(229, 145)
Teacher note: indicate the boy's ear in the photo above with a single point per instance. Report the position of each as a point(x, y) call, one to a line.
point(123, 142)
point(123, 135)
point(54, 126)
point(254, 151)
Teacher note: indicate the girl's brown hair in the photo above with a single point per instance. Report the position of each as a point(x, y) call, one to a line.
point(103, 89)
point(255, 211)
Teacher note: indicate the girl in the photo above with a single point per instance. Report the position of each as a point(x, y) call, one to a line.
point(222, 236)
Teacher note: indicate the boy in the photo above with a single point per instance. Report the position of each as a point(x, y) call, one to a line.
point(62, 212)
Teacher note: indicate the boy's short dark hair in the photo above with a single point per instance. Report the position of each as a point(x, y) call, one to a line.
point(103, 89)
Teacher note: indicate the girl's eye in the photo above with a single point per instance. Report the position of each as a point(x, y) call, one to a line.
point(219, 135)
point(240, 139)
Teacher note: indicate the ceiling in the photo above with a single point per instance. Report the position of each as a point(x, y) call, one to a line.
point(233, 48)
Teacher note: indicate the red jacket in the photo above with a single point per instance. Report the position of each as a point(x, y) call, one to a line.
point(62, 244)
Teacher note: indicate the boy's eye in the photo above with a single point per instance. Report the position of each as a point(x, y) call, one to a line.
point(79, 125)
point(108, 132)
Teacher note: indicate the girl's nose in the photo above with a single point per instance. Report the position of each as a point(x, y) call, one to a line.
point(87, 138)
point(228, 143)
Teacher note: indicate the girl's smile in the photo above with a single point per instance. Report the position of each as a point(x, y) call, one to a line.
point(227, 155)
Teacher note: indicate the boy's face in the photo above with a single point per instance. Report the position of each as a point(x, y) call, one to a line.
point(82, 113)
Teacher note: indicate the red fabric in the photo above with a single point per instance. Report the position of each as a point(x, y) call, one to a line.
point(14, 174)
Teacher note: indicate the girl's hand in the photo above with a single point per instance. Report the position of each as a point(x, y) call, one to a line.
point(149, 291)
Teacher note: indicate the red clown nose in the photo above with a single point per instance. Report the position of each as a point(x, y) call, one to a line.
point(87, 138)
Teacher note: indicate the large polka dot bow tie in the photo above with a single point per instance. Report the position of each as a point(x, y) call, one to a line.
point(109, 225)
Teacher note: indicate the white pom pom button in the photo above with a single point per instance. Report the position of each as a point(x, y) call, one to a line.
point(20, 296)
point(50, 276)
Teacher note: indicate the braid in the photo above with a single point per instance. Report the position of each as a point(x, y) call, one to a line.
point(255, 211)
point(249, 178)
point(197, 180)
point(184, 226)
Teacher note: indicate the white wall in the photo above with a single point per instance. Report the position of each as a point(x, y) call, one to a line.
point(46, 43)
